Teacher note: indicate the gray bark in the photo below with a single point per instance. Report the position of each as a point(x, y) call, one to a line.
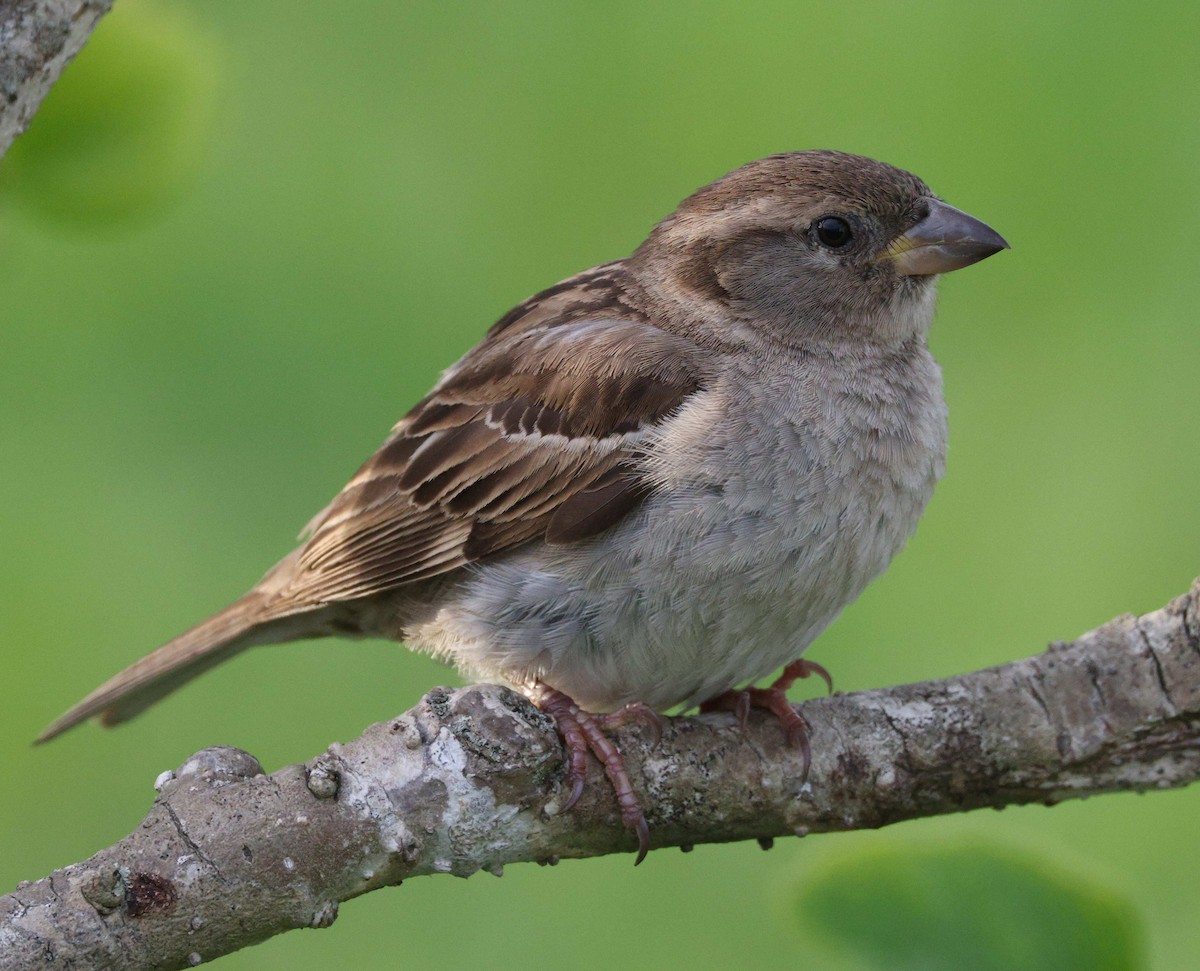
point(37, 40)
point(470, 779)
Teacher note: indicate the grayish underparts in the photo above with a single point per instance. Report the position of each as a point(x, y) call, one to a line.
point(469, 780)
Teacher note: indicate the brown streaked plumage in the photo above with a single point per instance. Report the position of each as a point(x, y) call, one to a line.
point(653, 481)
point(475, 468)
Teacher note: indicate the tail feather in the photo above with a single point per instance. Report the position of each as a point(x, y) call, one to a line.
point(244, 623)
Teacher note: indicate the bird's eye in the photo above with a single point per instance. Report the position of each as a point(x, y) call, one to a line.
point(833, 232)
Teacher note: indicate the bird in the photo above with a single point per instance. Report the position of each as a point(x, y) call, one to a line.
point(652, 483)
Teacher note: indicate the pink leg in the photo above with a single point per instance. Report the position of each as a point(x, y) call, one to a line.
point(774, 699)
point(635, 711)
point(582, 732)
point(800, 668)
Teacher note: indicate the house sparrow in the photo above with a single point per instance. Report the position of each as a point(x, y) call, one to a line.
point(651, 483)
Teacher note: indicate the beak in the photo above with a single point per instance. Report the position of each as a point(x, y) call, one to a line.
point(947, 239)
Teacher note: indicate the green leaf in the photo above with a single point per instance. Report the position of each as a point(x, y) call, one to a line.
point(121, 131)
point(947, 908)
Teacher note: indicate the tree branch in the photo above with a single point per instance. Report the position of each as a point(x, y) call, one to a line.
point(470, 779)
point(37, 40)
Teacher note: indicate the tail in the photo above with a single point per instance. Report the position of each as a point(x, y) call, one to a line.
point(242, 624)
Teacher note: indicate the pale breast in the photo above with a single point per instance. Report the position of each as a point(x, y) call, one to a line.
point(777, 500)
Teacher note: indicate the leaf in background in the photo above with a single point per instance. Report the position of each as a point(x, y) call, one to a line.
point(122, 130)
point(948, 908)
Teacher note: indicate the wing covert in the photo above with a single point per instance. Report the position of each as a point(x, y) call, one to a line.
point(535, 433)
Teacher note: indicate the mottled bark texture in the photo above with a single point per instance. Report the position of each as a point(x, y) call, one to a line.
point(37, 39)
point(469, 780)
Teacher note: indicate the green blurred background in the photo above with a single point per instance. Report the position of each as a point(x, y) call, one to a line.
point(241, 240)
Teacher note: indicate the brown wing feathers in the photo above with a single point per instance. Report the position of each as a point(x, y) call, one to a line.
point(602, 503)
point(533, 434)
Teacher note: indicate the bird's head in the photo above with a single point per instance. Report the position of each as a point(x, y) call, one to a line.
point(816, 245)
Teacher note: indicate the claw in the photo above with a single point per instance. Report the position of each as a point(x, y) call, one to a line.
point(581, 732)
point(635, 711)
point(802, 668)
point(643, 835)
point(564, 714)
point(798, 731)
point(576, 792)
point(774, 700)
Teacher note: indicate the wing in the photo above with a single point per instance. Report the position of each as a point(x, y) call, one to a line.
point(535, 433)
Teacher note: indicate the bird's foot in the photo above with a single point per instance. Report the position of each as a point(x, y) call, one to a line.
point(635, 711)
point(774, 699)
point(583, 732)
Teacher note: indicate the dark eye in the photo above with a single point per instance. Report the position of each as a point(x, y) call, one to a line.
point(833, 232)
